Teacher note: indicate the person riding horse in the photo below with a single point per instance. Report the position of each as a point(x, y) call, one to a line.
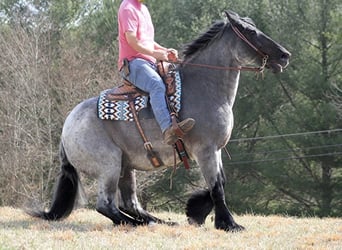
point(137, 45)
point(111, 151)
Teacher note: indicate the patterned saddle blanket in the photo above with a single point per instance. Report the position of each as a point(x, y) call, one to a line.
point(120, 111)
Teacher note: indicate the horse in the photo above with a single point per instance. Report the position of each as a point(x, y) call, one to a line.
point(112, 151)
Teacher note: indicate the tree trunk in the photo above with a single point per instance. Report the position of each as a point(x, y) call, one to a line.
point(326, 189)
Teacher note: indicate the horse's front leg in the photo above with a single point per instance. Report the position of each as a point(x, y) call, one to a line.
point(223, 217)
point(211, 166)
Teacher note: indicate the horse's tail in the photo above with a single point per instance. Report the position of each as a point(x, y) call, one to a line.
point(65, 194)
point(199, 206)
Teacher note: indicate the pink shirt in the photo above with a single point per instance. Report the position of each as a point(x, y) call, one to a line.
point(134, 17)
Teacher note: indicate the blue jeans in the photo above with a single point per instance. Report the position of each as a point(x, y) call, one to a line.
point(143, 75)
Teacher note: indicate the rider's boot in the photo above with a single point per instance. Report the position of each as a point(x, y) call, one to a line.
point(170, 136)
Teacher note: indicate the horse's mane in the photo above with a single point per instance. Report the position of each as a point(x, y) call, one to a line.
point(204, 39)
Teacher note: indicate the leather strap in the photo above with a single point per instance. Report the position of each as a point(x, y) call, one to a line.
point(179, 147)
point(175, 126)
point(151, 154)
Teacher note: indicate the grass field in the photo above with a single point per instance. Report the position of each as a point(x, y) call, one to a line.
point(86, 229)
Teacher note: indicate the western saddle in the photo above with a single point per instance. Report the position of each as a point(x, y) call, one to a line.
point(128, 92)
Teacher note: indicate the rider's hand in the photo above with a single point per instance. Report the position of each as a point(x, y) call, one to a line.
point(160, 55)
point(172, 55)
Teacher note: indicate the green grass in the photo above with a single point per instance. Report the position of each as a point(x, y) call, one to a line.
point(86, 229)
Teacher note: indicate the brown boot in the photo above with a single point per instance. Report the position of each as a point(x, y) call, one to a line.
point(170, 136)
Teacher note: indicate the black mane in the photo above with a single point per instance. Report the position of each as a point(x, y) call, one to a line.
point(204, 39)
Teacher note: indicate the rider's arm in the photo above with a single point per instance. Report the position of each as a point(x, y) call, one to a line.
point(157, 46)
point(158, 53)
point(168, 51)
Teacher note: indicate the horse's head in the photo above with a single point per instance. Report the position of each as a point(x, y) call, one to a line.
point(268, 51)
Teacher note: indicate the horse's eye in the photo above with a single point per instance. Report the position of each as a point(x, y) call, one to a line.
point(252, 32)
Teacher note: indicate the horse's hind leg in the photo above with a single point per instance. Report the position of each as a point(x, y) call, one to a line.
point(129, 202)
point(107, 195)
point(106, 203)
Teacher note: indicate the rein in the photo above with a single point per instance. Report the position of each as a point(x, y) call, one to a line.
point(238, 68)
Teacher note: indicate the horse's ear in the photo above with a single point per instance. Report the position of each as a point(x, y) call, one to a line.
point(232, 17)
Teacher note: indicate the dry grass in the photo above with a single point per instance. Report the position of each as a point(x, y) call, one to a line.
point(86, 229)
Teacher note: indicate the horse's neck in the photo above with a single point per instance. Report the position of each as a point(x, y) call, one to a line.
point(218, 84)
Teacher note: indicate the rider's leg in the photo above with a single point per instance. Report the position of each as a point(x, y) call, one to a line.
point(143, 75)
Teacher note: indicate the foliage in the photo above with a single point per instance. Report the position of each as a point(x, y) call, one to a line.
point(300, 174)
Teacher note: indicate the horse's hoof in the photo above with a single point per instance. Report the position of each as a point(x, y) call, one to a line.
point(172, 223)
point(152, 223)
point(194, 222)
point(234, 228)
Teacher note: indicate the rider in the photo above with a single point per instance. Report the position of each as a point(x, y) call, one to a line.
point(136, 43)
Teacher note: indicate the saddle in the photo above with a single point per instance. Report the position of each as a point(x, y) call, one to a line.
point(128, 92)
point(125, 92)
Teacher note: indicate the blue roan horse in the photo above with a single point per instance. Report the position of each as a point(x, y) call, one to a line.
point(111, 150)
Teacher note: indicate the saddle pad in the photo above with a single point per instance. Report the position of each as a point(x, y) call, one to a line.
point(120, 110)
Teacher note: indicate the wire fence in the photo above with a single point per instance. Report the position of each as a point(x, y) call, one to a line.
point(288, 153)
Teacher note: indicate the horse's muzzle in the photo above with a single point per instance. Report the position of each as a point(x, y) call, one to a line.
point(277, 66)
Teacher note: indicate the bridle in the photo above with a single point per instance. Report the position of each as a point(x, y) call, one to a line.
point(238, 68)
point(244, 38)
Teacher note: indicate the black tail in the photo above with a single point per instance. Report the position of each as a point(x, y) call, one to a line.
point(199, 206)
point(65, 193)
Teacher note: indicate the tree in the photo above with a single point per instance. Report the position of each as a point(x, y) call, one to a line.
point(44, 71)
point(300, 174)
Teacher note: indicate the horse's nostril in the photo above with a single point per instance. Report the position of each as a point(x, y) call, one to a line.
point(285, 56)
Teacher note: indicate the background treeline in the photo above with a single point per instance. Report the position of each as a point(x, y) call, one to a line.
point(287, 142)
